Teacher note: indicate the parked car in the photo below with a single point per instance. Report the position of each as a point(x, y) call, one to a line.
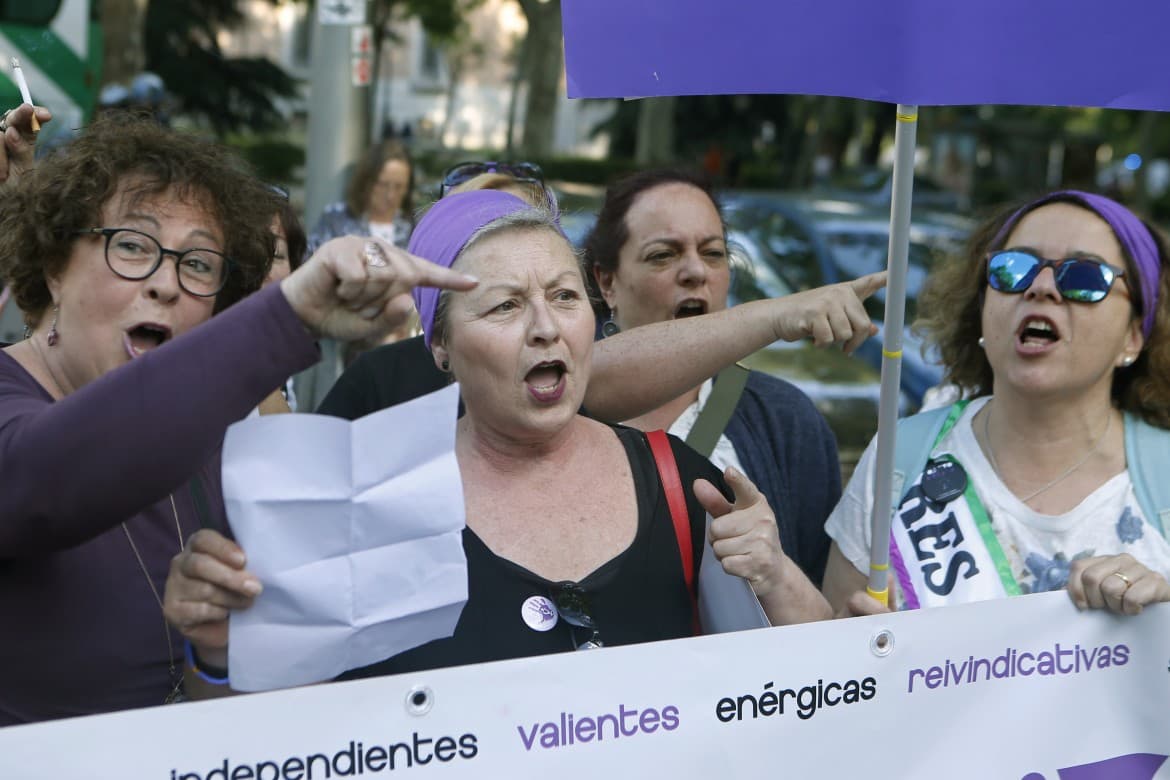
point(875, 188)
point(845, 388)
point(817, 241)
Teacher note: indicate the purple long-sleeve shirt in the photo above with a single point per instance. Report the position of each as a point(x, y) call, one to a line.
point(82, 631)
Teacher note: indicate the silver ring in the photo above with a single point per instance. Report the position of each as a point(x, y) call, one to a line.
point(4, 121)
point(375, 256)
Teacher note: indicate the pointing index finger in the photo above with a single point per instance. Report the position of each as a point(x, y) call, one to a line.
point(865, 286)
point(745, 491)
point(432, 275)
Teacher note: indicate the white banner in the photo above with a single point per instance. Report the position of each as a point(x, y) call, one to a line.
point(1021, 689)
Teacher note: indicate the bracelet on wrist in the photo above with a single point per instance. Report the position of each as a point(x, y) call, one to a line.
point(212, 675)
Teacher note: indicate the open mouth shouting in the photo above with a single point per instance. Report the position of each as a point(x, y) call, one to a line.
point(546, 381)
point(144, 337)
point(1036, 335)
point(691, 307)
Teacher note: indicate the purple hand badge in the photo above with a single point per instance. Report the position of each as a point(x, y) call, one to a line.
point(1135, 766)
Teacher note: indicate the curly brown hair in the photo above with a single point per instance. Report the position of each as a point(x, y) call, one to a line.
point(67, 191)
point(365, 176)
point(951, 308)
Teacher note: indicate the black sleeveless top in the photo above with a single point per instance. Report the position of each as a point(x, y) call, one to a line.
point(637, 596)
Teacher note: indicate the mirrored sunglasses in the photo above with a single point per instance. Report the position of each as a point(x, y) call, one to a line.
point(1079, 279)
point(574, 608)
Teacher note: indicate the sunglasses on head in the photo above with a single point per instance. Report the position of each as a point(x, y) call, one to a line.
point(521, 171)
point(1079, 279)
point(573, 606)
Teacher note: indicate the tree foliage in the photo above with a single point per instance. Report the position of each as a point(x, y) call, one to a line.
point(231, 93)
point(543, 63)
point(234, 93)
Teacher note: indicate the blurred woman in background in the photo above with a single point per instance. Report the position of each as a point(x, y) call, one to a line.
point(379, 199)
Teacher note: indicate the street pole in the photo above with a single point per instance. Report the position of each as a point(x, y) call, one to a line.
point(905, 142)
point(339, 124)
point(339, 131)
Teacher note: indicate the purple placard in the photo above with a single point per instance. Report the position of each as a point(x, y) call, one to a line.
point(923, 52)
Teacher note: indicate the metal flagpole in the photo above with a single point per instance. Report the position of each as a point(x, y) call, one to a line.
point(905, 136)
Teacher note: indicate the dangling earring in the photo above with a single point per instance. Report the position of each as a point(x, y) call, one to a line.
point(54, 337)
point(609, 327)
point(982, 342)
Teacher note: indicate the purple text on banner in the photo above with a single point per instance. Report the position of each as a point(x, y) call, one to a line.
point(922, 52)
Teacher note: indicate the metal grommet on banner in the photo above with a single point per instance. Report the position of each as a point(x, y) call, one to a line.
point(881, 644)
point(419, 700)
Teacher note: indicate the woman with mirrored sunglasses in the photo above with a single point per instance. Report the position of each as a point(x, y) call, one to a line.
point(1054, 327)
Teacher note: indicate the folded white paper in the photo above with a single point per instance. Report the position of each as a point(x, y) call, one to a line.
point(726, 602)
point(355, 531)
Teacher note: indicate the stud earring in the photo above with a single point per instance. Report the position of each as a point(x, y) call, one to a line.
point(445, 366)
point(1127, 360)
point(982, 342)
point(54, 337)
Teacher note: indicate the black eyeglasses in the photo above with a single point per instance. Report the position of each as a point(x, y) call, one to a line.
point(465, 171)
point(573, 606)
point(1079, 279)
point(132, 254)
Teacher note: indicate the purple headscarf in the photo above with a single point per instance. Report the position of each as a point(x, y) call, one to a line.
point(443, 232)
point(1130, 232)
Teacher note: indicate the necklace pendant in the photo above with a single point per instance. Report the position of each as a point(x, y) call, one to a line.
point(177, 693)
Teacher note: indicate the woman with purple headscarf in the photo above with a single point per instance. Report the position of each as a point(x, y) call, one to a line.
point(554, 563)
point(1054, 326)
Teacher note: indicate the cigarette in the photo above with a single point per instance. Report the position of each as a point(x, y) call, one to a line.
point(25, 95)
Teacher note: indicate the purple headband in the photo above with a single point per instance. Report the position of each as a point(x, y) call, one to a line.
point(443, 232)
point(1133, 235)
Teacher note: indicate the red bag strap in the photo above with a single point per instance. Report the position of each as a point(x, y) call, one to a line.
point(676, 500)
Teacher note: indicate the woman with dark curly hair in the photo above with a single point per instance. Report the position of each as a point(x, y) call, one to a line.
point(1055, 327)
point(658, 253)
point(119, 249)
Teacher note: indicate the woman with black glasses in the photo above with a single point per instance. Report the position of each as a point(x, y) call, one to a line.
point(119, 249)
point(1052, 474)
